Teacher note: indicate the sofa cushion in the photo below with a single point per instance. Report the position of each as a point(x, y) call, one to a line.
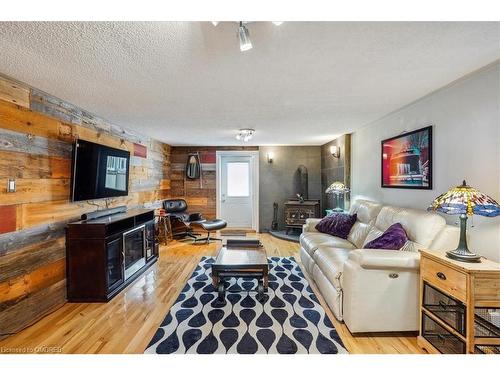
point(330, 261)
point(337, 224)
point(420, 226)
point(394, 238)
point(358, 234)
point(367, 211)
point(311, 241)
point(372, 234)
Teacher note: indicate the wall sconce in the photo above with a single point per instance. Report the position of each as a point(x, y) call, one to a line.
point(335, 151)
point(270, 157)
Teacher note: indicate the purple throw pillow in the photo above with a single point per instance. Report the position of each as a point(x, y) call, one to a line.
point(337, 224)
point(393, 238)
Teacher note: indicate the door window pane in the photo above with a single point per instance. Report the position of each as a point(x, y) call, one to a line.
point(238, 179)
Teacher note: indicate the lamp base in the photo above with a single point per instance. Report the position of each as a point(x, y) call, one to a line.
point(463, 256)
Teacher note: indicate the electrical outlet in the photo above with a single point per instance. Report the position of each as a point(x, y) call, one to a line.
point(11, 185)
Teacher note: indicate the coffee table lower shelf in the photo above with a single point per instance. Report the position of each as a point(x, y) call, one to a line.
point(222, 272)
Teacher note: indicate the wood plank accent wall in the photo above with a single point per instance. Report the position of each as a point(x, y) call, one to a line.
point(199, 195)
point(36, 135)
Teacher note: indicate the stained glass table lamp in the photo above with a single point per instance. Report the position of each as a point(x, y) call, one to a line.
point(337, 188)
point(465, 201)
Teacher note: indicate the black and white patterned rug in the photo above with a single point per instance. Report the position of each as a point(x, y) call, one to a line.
point(289, 320)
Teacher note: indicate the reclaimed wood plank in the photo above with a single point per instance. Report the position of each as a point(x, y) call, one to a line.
point(15, 141)
point(31, 257)
point(34, 214)
point(23, 165)
point(13, 290)
point(8, 218)
point(164, 184)
point(30, 190)
point(12, 241)
point(13, 92)
point(16, 317)
point(16, 118)
point(140, 150)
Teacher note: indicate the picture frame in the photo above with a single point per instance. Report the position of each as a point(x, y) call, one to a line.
point(406, 160)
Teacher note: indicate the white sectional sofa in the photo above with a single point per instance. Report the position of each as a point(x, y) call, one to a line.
point(374, 290)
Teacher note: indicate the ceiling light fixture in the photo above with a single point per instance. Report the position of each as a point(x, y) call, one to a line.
point(215, 23)
point(245, 134)
point(277, 23)
point(244, 37)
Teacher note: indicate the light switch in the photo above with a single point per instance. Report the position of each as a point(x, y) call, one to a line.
point(11, 185)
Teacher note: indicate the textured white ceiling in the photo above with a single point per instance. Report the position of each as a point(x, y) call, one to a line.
point(188, 83)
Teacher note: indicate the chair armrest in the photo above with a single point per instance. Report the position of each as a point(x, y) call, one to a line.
point(310, 225)
point(385, 259)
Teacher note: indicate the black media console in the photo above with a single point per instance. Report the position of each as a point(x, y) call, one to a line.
point(107, 253)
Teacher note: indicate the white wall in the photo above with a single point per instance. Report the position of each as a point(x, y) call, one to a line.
point(466, 119)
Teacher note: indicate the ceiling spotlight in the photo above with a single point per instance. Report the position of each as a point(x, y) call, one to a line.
point(277, 23)
point(215, 23)
point(245, 134)
point(244, 37)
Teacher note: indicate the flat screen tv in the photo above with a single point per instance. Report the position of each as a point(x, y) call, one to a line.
point(98, 171)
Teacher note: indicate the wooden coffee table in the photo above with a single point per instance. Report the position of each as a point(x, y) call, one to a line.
point(241, 261)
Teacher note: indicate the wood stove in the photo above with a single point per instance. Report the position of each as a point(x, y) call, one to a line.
point(296, 212)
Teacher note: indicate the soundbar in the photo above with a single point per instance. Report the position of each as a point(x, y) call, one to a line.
point(101, 213)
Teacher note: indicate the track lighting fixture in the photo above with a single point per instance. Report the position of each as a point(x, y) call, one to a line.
point(244, 34)
point(244, 37)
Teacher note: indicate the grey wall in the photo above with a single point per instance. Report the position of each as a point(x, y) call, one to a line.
point(276, 180)
point(335, 169)
point(466, 140)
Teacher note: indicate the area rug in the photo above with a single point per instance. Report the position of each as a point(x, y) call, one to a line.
point(289, 320)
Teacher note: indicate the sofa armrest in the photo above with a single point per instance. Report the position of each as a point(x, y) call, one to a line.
point(310, 225)
point(385, 259)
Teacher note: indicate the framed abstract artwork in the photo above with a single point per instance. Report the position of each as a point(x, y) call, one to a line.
point(407, 160)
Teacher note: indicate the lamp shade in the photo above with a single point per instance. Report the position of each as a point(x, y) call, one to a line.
point(465, 200)
point(336, 188)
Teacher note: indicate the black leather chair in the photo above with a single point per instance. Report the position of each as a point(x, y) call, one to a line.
point(180, 218)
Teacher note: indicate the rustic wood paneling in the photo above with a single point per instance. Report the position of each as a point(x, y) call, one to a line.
point(34, 145)
point(29, 258)
point(35, 149)
point(140, 151)
point(12, 291)
point(12, 241)
point(30, 190)
point(8, 215)
point(20, 315)
point(13, 92)
point(23, 165)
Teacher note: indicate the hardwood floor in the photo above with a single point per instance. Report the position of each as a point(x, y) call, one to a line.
point(127, 323)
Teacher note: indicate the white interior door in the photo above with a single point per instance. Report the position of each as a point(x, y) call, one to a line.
point(237, 190)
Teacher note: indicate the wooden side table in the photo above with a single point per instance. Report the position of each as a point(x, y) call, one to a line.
point(459, 305)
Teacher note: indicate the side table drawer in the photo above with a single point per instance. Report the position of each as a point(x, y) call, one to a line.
point(440, 338)
point(448, 309)
point(447, 279)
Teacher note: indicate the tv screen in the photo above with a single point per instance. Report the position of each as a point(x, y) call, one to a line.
point(98, 171)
